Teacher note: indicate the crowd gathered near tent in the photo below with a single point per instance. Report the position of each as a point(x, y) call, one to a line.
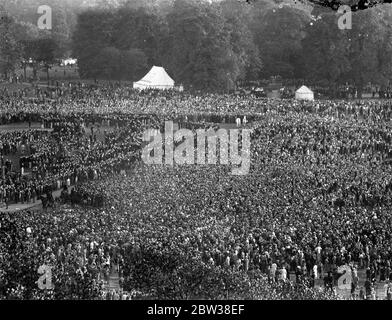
point(202, 150)
point(317, 198)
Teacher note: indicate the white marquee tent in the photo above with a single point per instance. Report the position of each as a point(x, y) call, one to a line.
point(304, 93)
point(156, 78)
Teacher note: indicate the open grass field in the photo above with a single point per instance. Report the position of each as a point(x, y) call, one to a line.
point(66, 73)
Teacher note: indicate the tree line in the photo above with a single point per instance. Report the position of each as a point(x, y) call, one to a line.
point(211, 45)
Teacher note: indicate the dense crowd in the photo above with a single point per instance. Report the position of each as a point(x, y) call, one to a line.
point(71, 150)
point(317, 197)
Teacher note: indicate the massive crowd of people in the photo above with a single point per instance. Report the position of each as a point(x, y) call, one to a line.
point(71, 152)
point(317, 197)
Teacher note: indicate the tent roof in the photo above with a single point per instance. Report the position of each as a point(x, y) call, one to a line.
point(157, 76)
point(304, 89)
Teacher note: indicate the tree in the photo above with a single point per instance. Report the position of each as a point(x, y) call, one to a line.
point(325, 51)
point(93, 32)
point(200, 52)
point(241, 39)
point(63, 19)
point(42, 52)
point(10, 50)
point(107, 63)
point(357, 56)
point(279, 32)
point(25, 34)
point(139, 28)
point(369, 48)
point(133, 64)
point(384, 55)
point(61, 31)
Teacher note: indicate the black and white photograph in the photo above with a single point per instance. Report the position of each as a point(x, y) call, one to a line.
point(167, 151)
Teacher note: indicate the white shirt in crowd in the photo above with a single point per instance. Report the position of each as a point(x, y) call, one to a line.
point(283, 274)
point(315, 272)
point(273, 269)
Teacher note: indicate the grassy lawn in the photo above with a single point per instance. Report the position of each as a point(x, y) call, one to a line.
point(59, 73)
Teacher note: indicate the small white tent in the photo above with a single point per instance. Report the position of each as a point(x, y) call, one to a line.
point(156, 78)
point(69, 62)
point(304, 93)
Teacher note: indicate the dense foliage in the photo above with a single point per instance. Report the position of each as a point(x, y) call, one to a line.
point(210, 45)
